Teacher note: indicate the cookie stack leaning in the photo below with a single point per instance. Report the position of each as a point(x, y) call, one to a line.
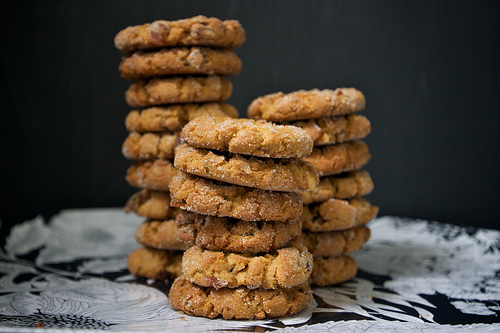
point(178, 71)
point(236, 189)
point(335, 215)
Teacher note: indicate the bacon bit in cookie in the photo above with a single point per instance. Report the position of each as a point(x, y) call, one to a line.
point(183, 318)
point(39, 324)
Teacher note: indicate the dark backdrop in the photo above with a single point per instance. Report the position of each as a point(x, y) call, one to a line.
point(429, 70)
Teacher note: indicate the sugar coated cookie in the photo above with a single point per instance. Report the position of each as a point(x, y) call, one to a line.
point(336, 214)
point(159, 235)
point(334, 159)
point(237, 303)
point(151, 204)
point(152, 174)
point(198, 30)
point(180, 61)
point(306, 104)
point(342, 186)
point(149, 146)
point(208, 197)
point(155, 264)
point(173, 117)
point(172, 90)
point(328, 271)
point(284, 268)
point(291, 174)
point(233, 235)
point(247, 136)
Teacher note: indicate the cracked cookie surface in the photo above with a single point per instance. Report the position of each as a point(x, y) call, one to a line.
point(328, 271)
point(159, 235)
point(153, 174)
point(155, 264)
point(148, 146)
point(151, 204)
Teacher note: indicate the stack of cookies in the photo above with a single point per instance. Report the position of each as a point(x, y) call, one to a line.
point(237, 190)
point(335, 213)
point(179, 71)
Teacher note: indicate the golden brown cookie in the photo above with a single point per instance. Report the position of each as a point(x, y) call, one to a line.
point(335, 243)
point(149, 146)
point(328, 271)
point(247, 136)
point(283, 268)
point(237, 303)
point(341, 186)
point(155, 264)
point(155, 174)
point(336, 214)
point(208, 197)
point(197, 30)
point(226, 234)
point(290, 174)
point(306, 104)
point(151, 204)
point(174, 117)
point(159, 235)
point(335, 129)
point(334, 159)
point(180, 61)
point(171, 90)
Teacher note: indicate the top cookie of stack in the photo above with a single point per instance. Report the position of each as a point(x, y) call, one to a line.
point(179, 69)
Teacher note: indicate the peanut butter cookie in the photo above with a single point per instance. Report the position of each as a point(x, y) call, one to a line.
point(342, 186)
point(306, 104)
point(174, 117)
point(155, 264)
point(152, 174)
point(335, 243)
point(237, 303)
point(328, 271)
point(151, 204)
point(197, 30)
point(334, 159)
point(291, 174)
point(180, 61)
point(247, 136)
point(226, 234)
point(148, 146)
point(208, 197)
point(335, 129)
point(159, 235)
point(172, 90)
point(336, 214)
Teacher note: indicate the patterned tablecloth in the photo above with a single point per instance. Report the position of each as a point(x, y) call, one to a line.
point(70, 273)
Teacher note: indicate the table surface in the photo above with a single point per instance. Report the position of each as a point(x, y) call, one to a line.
point(69, 273)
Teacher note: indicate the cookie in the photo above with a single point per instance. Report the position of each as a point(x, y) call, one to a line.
point(174, 117)
point(336, 214)
point(335, 129)
point(341, 186)
point(283, 268)
point(334, 159)
point(238, 303)
point(208, 197)
point(180, 61)
point(155, 264)
point(159, 235)
point(247, 136)
point(198, 30)
point(152, 174)
point(291, 174)
point(232, 235)
point(306, 104)
point(335, 243)
point(149, 146)
point(328, 271)
point(171, 90)
point(151, 204)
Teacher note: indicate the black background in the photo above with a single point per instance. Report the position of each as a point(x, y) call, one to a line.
point(429, 71)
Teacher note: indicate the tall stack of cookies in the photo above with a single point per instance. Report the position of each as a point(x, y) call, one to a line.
point(180, 70)
point(335, 213)
point(236, 189)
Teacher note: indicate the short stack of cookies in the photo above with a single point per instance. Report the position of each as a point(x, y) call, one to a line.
point(236, 189)
point(179, 69)
point(335, 215)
